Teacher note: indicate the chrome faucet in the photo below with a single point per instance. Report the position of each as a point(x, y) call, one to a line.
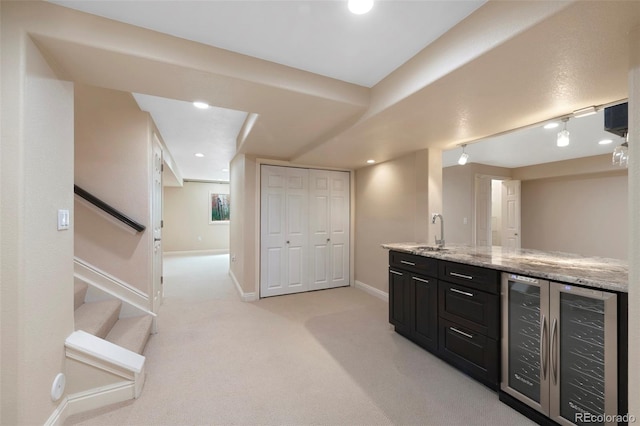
point(439, 242)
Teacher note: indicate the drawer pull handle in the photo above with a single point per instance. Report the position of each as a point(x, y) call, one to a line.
point(408, 263)
point(455, 274)
point(396, 273)
point(461, 332)
point(455, 290)
point(421, 280)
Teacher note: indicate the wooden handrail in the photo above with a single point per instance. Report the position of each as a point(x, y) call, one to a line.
point(108, 209)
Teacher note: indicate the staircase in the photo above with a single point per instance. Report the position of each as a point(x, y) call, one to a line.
point(102, 319)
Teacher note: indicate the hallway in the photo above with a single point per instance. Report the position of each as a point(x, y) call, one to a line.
point(327, 357)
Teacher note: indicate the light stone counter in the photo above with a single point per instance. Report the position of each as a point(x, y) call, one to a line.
point(598, 272)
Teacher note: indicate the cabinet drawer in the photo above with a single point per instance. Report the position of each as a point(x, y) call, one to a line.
point(411, 262)
point(471, 276)
point(473, 353)
point(474, 309)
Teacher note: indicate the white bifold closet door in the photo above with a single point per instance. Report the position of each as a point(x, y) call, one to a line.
point(304, 230)
point(328, 229)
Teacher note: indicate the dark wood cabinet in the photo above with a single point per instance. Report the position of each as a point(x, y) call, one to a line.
point(413, 298)
point(471, 308)
point(450, 309)
point(472, 352)
point(400, 301)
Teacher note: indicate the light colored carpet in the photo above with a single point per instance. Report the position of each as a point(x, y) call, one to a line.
point(320, 358)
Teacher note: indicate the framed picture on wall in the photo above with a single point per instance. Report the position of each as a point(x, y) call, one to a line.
point(218, 208)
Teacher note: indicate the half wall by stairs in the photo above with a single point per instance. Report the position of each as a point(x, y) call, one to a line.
point(105, 361)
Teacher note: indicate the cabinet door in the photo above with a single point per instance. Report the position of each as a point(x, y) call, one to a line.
point(400, 302)
point(471, 308)
point(425, 312)
point(471, 352)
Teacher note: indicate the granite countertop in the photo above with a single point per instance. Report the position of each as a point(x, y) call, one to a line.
point(598, 272)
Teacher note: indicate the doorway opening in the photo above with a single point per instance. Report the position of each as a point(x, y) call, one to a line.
point(497, 212)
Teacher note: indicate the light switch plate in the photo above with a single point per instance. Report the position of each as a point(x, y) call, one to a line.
point(63, 220)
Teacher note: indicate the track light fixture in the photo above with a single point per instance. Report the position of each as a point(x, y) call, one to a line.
point(563, 135)
point(464, 157)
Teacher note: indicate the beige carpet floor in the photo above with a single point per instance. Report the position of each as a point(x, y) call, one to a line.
point(321, 358)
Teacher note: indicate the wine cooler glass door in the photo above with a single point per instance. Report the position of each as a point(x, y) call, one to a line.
point(525, 340)
point(583, 355)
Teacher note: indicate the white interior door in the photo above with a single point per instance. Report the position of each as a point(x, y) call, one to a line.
point(511, 214)
point(328, 229)
point(156, 216)
point(284, 230)
point(483, 211)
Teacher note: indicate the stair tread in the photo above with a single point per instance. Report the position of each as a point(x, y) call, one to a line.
point(131, 333)
point(97, 318)
point(79, 293)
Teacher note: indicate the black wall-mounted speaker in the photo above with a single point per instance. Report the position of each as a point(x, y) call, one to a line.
point(616, 119)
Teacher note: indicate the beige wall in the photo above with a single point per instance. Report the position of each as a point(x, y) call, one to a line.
point(577, 206)
point(458, 193)
point(244, 232)
point(186, 221)
point(36, 155)
point(391, 206)
point(585, 214)
point(112, 162)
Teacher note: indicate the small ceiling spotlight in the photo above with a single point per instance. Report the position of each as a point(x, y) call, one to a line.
point(360, 7)
point(551, 125)
point(563, 135)
point(605, 142)
point(199, 154)
point(371, 161)
point(464, 157)
point(201, 105)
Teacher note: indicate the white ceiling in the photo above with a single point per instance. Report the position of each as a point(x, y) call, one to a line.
point(188, 130)
point(321, 37)
point(537, 145)
point(561, 56)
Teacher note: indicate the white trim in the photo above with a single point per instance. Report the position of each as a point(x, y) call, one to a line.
point(373, 291)
point(195, 252)
point(246, 297)
point(111, 285)
point(105, 351)
point(100, 397)
point(60, 414)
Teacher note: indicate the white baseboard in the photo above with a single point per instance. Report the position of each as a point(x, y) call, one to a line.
point(373, 291)
point(195, 252)
point(90, 400)
point(60, 414)
point(246, 297)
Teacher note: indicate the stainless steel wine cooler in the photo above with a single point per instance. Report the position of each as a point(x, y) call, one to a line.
point(559, 349)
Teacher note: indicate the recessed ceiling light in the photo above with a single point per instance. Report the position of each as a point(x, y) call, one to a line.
point(605, 142)
point(199, 155)
point(225, 170)
point(201, 105)
point(371, 161)
point(552, 125)
point(359, 7)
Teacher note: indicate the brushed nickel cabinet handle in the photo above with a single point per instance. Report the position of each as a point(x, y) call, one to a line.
point(396, 273)
point(461, 332)
point(455, 290)
point(421, 280)
point(455, 274)
point(408, 263)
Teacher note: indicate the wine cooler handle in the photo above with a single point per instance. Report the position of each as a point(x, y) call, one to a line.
point(554, 351)
point(544, 353)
